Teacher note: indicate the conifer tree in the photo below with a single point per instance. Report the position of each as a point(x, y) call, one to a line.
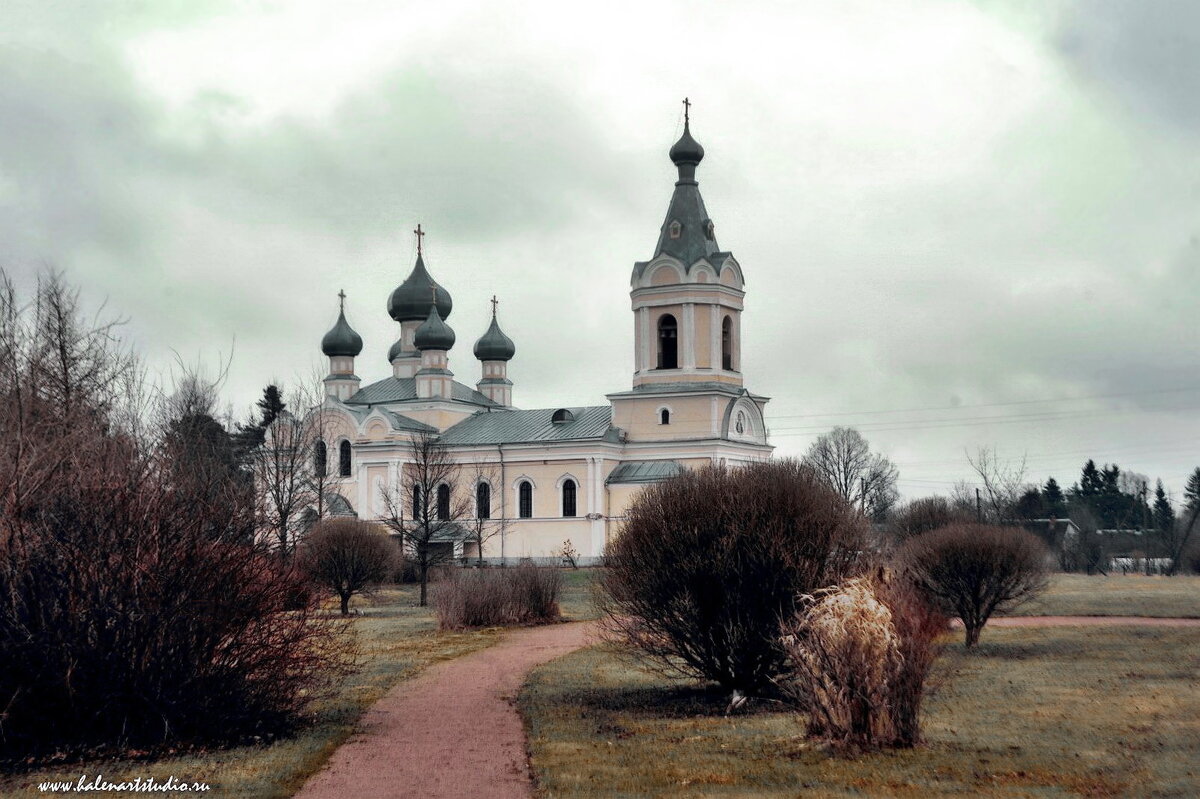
point(1164, 514)
point(1052, 497)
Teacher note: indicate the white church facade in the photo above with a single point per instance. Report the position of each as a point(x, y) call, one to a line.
point(564, 474)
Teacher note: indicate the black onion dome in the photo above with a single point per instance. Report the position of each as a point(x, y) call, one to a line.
point(395, 350)
point(494, 345)
point(411, 300)
point(341, 340)
point(434, 334)
point(687, 150)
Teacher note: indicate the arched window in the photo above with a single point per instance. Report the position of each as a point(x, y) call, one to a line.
point(443, 502)
point(344, 458)
point(525, 499)
point(675, 230)
point(562, 415)
point(569, 491)
point(668, 342)
point(483, 500)
point(664, 416)
point(727, 344)
point(417, 510)
point(320, 459)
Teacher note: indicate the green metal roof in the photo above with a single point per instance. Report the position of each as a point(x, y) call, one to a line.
point(404, 389)
point(643, 472)
point(517, 426)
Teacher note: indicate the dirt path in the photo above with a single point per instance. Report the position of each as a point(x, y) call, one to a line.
point(1087, 621)
point(451, 733)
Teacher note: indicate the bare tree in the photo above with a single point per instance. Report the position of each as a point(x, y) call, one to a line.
point(484, 523)
point(973, 570)
point(1177, 536)
point(925, 514)
point(347, 556)
point(842, 458)
point(291, 471)
point(430, 487)
point(123, 585)
point(1003, 483)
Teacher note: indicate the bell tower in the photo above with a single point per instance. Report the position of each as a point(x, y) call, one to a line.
point(687, 299)
point(687, 316)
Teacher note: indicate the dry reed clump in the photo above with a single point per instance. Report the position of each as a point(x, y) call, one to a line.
point(858, 656)
point(504, 597)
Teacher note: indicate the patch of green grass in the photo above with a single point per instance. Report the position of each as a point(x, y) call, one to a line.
point(1117, 595)
point(1030, 712)
point(575, 601)
point(396, 638)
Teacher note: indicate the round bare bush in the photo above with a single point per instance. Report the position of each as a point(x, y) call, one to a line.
point(974, 570)
point(924, 515)
point(709, 562)
point(348, 557)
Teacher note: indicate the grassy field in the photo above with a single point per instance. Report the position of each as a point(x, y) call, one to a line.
point(1117, 595)
point(576, 601)
point(397, 639)
point(1032, 712)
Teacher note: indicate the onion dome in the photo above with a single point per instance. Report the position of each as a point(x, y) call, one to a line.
point(494, 345)
point(412, 299)
point(434, 334)
point(341, 340)
point(687, 150)
point(396, 350)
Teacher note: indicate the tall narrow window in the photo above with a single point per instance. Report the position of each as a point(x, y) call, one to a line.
point(417, 510)
point(443, 502)
point(668, 342)
point(569, 491)
point(344, 458)
point(727, 344)
point(483, 500)
point(320, 459)
point(664, 416)
point(525, 499)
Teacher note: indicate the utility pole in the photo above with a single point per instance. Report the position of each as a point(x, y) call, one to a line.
point(978, 506)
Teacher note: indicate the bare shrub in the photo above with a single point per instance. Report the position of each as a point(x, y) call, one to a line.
point(973, 570)
point(347, 557)
point(134, 610)
point(709, 562)
point(923, 515)
point(526, 594)
point(858, 656)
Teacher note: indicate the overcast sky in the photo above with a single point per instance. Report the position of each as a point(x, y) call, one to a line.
point(961, 225)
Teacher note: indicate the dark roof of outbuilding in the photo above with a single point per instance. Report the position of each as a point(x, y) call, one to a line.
point(517, 426)
point(643, 472)
point(404, 389)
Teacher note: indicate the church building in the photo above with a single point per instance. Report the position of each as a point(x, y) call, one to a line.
point(565, 474)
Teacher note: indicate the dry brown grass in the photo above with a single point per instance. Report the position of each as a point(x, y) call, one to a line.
point(1029, 712)
point(1117, 595)
point(397, 638)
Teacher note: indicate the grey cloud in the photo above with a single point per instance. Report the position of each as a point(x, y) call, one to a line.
point(1147, 54)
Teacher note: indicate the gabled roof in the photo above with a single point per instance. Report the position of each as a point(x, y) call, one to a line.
point(516, 426)
point(404, 389)
point(643, 472)
point(401, 422)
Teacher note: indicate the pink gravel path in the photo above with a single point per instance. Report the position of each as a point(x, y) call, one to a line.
point(452, 732)
point(1087, 621)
